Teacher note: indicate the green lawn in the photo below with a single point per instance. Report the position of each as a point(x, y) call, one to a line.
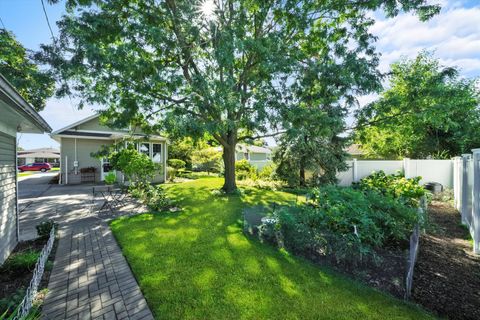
point(198, 264)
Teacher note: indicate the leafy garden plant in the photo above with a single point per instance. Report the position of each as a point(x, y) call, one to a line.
point(346, 224)
point(395, 186)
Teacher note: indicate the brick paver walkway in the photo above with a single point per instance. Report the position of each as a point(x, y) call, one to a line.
point(91, 279)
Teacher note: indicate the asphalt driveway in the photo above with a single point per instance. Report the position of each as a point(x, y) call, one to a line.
point(34, 185)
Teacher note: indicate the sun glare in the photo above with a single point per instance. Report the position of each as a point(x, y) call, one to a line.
point(207, 9)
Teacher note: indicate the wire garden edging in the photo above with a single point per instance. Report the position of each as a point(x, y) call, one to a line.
point(31, 292)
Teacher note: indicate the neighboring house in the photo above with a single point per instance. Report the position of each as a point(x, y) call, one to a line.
point(80, 139)
point(257, 156)
point(17, 115)
point(355, 151)
point(50, 155)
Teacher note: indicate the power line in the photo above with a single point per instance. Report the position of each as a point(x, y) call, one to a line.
point(1, 21)
point(48, 21)
point(55, 45)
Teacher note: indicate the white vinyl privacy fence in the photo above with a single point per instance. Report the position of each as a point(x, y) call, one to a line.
point(467, 193)
point(440, 171)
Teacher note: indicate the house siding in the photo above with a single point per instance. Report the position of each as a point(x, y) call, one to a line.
point(84, 148)
point(8, 194)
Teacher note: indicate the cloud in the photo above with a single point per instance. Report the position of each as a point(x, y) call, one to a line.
point(454, 36)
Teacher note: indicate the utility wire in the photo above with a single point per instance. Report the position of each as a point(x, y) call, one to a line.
point(1, 21)
point(48, 22)
point(55, 45)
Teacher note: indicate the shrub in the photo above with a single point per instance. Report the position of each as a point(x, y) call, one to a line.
point(43, 228)
point(110, 178)
point(21, 262)
point(136, 166)
point(267, 172)
point(244, 170)
point(176, 164)
point(153, 196)
point(209, 160)
point(346, 224)
point(395, 186)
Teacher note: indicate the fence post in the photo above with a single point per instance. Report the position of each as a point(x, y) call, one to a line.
point(457, 182)
point(406, 167)
point(464, 193)
point(476, 201)
point(355, 170)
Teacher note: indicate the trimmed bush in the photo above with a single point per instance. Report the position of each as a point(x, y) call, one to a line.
point(43, 228)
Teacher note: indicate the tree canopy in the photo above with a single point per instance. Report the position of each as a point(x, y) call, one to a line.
point(21, 71)
point(225, 67)
point(428, 111)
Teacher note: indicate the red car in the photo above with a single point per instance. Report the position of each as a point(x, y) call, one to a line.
point(37, 166)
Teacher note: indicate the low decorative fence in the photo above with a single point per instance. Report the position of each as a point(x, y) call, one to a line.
point(31, 292)
point(467, 193)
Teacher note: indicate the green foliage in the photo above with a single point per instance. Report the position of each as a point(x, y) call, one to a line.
point(136, 166)
point(110, 178)
point(428, 111)
point(267, 173)
point(191, 74)
point(20, 70)
point(209, 160)
point(176, 163)
point(21, 262)
point(346, 224)
point(44, 228)
point(152, 195)
point(244, 170)
point(11, 307)
point(395, 186)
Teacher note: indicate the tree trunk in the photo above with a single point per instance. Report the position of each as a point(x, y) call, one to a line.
point(230, 184)
point(302, 173)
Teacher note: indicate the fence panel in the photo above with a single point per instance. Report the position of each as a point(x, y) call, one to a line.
point(440, 171)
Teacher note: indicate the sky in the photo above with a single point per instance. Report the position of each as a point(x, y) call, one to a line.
point(453, 35)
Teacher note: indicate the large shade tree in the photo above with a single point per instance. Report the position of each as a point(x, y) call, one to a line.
point(225, 67)
point(429, 110)
point(17, 66)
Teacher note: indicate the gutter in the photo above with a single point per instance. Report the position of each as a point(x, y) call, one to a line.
point(22, 105)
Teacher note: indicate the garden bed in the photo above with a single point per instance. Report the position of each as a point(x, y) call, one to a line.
point(447, 274)
point(13, 283)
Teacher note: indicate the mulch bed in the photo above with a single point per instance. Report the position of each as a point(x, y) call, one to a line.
point(447, 274)
point(11, 283)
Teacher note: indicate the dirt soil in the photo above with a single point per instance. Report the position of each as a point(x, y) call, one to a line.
point(447, 274)
point(10, 283)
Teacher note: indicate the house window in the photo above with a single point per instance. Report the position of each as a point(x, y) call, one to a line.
point(245, 155)
point(145, 148)
point(156, 152)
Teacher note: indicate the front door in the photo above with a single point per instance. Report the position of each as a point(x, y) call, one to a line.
point(105, 168)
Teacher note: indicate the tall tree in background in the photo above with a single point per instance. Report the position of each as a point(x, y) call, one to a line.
point(225, 67)
point(428, 111)
point(18, 68)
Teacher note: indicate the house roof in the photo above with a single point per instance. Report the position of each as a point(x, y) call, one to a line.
point(52, 150)
point(39, 155)
point(71, 131)
point(354, 149)
point(31, 122)
point(73, 125)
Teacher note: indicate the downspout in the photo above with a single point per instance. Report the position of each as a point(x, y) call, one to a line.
point(165, 163)
point(16, 192)
point(76, 160)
